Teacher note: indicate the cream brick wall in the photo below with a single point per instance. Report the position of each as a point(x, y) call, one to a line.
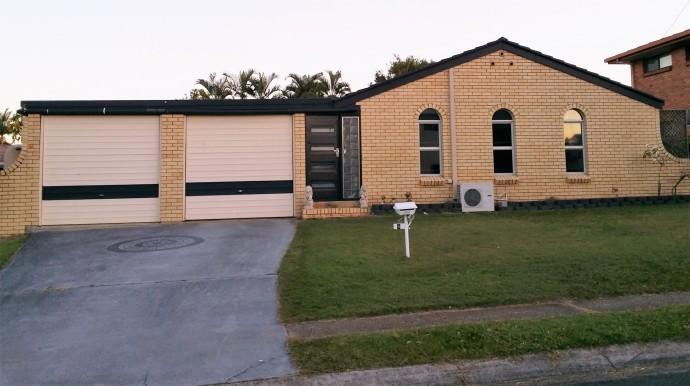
point(20, 184)
point(299, 179)
point(172, 167)
point(617, 130)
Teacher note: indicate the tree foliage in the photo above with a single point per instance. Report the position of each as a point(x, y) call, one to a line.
point(335, 86)
point(305, 86)
point(214, 87)
point(400, 66)
point(10, 126)
point(251, 84)
point(262, 86)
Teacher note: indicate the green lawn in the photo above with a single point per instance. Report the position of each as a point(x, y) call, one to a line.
point(498, 339)
point(354, 267)
point(7, 249)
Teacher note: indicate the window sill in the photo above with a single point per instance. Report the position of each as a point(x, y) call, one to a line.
point(578, 179)
point(432, 181)
point(659, 71)
point(506, 180)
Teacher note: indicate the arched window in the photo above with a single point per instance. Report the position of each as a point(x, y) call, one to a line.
point(503, 127)
point(574, 135)
point(430, 142)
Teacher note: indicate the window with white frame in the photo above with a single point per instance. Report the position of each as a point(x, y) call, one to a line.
point(574, 136)
point(430, 142)
point(657, 62)
point(503, 127)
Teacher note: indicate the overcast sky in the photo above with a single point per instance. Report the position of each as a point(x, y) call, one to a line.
point(142, 49)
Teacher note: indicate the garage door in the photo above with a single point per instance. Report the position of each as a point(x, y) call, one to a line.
point(239, 167)
point(99, 170)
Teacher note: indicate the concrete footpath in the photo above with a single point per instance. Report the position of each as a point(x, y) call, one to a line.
point(562, 368)
point(333, 327)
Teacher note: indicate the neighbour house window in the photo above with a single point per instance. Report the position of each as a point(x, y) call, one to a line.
point(574, 135)
point(657, 62)
point(430, 142)
point(502, 126)
point(687, 53)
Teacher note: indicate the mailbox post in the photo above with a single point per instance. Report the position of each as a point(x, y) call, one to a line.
point(407, 211)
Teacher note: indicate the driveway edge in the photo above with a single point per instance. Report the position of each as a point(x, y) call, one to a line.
point(611, 362)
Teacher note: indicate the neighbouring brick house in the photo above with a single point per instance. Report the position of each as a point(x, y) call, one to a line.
point(662, 68)
point(501, 114)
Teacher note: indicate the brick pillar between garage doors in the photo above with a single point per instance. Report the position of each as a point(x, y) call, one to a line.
point(172, 167)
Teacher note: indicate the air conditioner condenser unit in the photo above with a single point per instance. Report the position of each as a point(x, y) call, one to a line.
point(476, 196)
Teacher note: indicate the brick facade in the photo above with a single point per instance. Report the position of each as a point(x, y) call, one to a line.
point(617, 130)
point(20, 183)
point(172, 167)
point(299, 179)
point(672, 85)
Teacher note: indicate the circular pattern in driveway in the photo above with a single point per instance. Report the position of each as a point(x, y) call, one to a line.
point(156, 243)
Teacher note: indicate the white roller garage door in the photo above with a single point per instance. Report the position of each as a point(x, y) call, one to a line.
point(100, 169)
point(239, 167)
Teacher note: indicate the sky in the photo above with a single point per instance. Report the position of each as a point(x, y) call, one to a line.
point(149, 49)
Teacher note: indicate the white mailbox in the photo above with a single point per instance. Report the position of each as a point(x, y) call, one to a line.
point(407, 211)
point(405, 208)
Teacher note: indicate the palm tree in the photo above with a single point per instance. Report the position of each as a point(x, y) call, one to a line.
point(242, 83)
point(261, 86)
point(335, 86)
point(305, 86)
point(212, 88)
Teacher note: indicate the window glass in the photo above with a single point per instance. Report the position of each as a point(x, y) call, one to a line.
point(503, 161)
point(502, 133)
point(429, 115)
point(651, 64)
point(687, 53)
point(428, 135)
point(430, 162)
point(572, 133)
point(574, 160)
point(665, 61)
point(429, 142)
point(502, 115)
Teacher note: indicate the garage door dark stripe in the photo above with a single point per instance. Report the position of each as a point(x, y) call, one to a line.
point(90, 192)
point(237, 187)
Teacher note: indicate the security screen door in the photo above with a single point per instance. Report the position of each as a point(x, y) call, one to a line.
point(323, 157)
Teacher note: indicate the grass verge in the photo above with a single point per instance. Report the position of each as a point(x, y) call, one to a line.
point(495, 339)
point(7, 249)
point(354, 267)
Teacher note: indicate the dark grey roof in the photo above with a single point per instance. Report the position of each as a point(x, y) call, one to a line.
point(506, 45)
point(189, 107)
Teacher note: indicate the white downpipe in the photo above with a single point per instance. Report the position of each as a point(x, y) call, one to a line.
point(453, 134)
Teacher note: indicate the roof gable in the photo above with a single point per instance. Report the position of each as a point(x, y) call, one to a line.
point(505, 45)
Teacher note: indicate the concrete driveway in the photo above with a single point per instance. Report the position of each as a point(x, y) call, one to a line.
point(183, 304)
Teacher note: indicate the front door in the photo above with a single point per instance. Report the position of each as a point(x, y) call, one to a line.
point(323, 157)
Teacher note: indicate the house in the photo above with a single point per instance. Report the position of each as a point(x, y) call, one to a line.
point(531, 125)
point(662, 68)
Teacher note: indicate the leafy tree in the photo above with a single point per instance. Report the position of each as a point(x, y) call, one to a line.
point(335, 86)
point(400, 66)
point(10, 126)
point(213, 88)
point(305, 86)
point(241, 83)
point(261, 86)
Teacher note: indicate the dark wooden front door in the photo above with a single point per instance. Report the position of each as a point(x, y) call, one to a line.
point(323, 157)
